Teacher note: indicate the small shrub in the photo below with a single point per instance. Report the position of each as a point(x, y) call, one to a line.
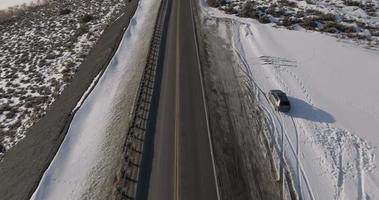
point(15, 125)
point(313, 12)
point(249, 10)
point(29, 105)
point(213, 3)
point(2, 148)
point(11, 90)
point(289, 21)
point(40, 100)
point(65, 11)
point(334, 27)
point(309, 23)
point(223, 2)
point(10, 114)
point(230, 9)
point(352, 3)
point(288, 3)
point(329, 29)
point(275, 11)
point(264, 19)
point(369, 8)
point(348, 20)
point(328, 17)
point(51, 56)
point(300, 14)
point(5, 107)
point(87, 18)
point(82, 30)
point(375, 33)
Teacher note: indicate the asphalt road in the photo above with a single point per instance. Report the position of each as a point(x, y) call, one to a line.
point(182, 165)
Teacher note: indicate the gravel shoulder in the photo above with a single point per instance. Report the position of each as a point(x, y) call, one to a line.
point(242, 160)
point(24, 164)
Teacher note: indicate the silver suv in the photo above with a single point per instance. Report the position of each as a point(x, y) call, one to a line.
point(279, 99)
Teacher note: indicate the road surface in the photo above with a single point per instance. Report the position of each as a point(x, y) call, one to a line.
point(182, 165)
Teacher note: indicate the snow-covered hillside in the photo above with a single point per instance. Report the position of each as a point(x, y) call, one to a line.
point(353, 20)
point(41, 49)
point(329, 140)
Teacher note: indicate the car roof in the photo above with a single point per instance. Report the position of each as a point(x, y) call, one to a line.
point(279, 94)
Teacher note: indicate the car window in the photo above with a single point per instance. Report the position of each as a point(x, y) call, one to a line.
point(284, 103)
point(276, 97)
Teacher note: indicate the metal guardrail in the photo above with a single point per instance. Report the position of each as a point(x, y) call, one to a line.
point(135, 139)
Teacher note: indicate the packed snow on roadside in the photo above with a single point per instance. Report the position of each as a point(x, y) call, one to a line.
point(328, 141)
point(85, 163)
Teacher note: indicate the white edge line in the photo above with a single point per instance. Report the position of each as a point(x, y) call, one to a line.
point(177, 105)
point(205, 105)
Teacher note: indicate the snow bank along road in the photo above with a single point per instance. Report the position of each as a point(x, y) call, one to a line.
point(84, 165)
point(328, 141)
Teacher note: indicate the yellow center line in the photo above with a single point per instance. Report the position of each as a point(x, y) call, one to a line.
point(177, 107)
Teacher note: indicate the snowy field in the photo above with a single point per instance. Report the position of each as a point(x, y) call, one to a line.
point(329, 140)
point(41, 49)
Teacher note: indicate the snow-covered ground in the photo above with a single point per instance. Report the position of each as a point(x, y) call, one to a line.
point(329, 140)
point(41, 49)
point(332, 88)
point(82, 168)
point(5, 4)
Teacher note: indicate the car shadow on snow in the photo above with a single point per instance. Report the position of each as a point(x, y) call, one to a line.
point(302, 109)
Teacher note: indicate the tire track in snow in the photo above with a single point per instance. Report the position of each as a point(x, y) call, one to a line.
point(301, 84)
point(339, 158)
point(349, 157)
point(346, 138)
point(284, 135)
point(272, 120)
point(299, 168)
point(280, 64)
point(321, 135)
point(360, 175)
point(342, 156)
